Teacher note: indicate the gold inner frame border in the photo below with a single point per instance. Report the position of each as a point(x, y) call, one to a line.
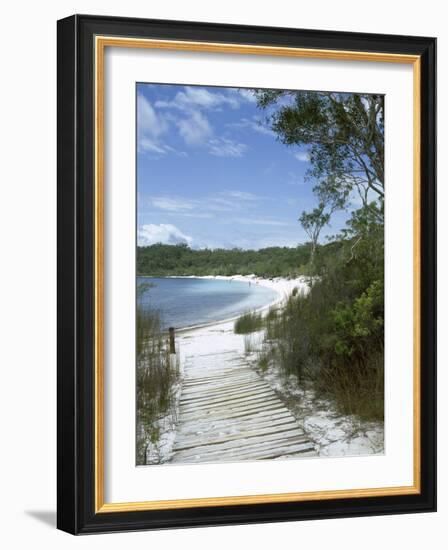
point(101, 42)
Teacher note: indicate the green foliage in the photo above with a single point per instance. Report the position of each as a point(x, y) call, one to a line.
point(344, 134)
point(248, 322)
point(334, 334)
point(163, 260)
point(359, 325)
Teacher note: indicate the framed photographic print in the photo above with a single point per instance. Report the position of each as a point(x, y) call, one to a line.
point(246, 274)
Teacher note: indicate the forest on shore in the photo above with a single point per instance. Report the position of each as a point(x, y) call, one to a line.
point(162, 260)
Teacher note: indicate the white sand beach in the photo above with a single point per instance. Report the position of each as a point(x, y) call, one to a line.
point(220, 336)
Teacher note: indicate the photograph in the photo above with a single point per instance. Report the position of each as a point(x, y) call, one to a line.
point(259, 274)
point(246, 306)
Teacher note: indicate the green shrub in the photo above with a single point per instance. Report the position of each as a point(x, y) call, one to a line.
point(334, 335)
point(248, 322)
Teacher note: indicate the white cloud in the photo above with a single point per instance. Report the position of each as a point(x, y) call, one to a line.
point(149, 122)
point(242, 195)
point(224, 147)
point(206, 206)
point(198, 215)
point(150, 129)
point(173, 204)
point(193, 125)
point(164, 233)
point(264, 221)
point(255, 124)
point(150, 146)
point(193, 97)
point(209, 100)
point(248, 95)
point(302, 156)
point(195, 129)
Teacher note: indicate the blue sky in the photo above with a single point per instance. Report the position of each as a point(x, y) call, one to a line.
point(210, 173)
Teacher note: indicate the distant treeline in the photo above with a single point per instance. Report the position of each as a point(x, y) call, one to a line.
point(163, 260)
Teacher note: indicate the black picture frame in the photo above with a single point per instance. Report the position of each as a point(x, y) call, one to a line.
point(76, 256)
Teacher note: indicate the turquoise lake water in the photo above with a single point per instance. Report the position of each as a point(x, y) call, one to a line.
point(185, 302)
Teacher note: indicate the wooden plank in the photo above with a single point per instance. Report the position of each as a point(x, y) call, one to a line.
point(227, 412)
point(227, 399)
point(244, 441)
point(243, 409)
point(287, 426)
point(222, 391)
point(213, 380)
point(234, 430)
point(229, 386)
point(242, 424)
point(248, 452)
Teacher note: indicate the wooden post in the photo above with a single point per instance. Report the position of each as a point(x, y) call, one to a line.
point(172, 340)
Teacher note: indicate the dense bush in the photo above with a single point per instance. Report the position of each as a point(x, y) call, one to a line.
point(334, 335)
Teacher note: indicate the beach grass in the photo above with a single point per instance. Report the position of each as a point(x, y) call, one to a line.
point(249, 345)
point(251, 321)
point(157, 375)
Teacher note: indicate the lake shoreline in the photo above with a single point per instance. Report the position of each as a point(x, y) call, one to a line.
point(281, 285)
point(206, 338)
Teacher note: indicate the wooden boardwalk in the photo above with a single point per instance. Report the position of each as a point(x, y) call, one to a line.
point(229, 413)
